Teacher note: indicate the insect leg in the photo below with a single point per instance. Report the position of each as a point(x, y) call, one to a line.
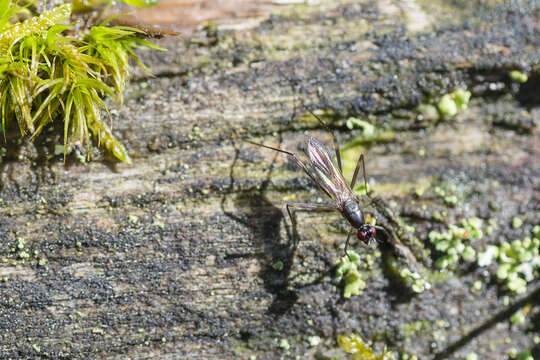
point(334, 140)
point(347, 242)
point(385, 232)
point(356, 170)
point(306, 207)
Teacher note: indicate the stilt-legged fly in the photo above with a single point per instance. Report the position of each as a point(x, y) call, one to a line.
point(329, 179)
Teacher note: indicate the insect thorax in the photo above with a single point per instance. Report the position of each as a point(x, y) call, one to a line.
point(352, 212)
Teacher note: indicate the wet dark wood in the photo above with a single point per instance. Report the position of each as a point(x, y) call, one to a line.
point(171, 257)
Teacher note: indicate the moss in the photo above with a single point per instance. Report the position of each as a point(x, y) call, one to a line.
point(50, 72)
point(447, 106)
point(522, 355)
point(462, 98)
point(427, 112)
point(519, 316)
point(347, 273)
point(454, 244)
point(518, 262)
point(414, 281)
point(351, 150)
point(278, 265)
point(447, 192)
point(370, 133)
point(410, 279)
point(518, 76)
point(517, 222)
point(451, 104)
point(354, 344)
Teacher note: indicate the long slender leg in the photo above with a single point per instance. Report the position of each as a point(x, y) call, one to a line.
point(334, 140)
point(356, 170)
point(298, 161)
point(347, 242)
point(385, 232)
point(305, 207)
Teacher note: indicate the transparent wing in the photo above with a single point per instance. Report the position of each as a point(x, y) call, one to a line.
point(325, 172)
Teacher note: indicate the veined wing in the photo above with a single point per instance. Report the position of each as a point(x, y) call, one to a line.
point(328, 177)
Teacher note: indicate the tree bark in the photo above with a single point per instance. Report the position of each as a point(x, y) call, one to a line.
point(175, 255)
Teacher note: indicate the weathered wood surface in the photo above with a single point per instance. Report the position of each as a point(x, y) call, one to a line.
point(171, 257)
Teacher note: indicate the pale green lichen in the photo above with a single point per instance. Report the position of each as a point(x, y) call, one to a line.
point(518, 76)
point(410, 279)
point(351, 150)
point(517, 222)
point(486, 257)
point(447, 106)
point(278, 265)
point(522, 355)
point(448, 194)
point(519, 316)
point(455, 243)
point(427, 112)
point(519, 262)
point(347, 273)
point(370, 133)
point(450, 104)
point(462, 98)
point(414, 281)
point(354, 344)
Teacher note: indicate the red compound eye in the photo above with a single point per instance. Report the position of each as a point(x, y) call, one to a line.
point(366, 233)
point(362, 235)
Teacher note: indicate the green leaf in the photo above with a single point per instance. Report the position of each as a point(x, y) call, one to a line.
point(6, 10)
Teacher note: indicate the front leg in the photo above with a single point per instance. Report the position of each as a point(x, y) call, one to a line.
point(291, 208)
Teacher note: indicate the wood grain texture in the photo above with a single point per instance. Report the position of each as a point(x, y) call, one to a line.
point(171, 257)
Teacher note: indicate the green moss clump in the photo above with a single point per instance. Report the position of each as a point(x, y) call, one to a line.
point(451, 104)
point(353, 344)
point(414, 281)
point(518, 261)
point(347, 273)
point(447, 106)
point(518, 76)
point(284, 344)
point(522, 355)
point(370, 133)
point(410, 279)
point(454, 244)
point(51, 71)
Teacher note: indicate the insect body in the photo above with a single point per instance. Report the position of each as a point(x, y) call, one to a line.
point(329, 179)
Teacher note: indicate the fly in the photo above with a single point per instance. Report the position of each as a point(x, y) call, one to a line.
point(329, 179)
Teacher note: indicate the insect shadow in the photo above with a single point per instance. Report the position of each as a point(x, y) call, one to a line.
point(263, 220)
point(322, 170)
